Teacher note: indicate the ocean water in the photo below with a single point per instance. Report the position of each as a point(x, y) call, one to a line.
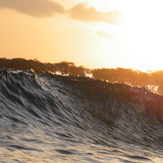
point(50, 118)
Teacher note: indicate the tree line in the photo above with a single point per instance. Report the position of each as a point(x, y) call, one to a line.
point(120, 75)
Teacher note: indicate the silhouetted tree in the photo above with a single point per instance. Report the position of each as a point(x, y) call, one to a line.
point(121, 75)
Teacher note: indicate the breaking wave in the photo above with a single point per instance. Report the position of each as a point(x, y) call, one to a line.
point(52, 118)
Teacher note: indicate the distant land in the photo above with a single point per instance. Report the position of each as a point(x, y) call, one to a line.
point(148, 80)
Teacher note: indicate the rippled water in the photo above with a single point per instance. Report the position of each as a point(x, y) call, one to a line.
point(51, 118)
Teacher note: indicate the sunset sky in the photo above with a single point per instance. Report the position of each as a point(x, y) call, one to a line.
point(93, 33)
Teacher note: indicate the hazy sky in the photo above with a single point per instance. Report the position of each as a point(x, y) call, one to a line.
point(93, 33)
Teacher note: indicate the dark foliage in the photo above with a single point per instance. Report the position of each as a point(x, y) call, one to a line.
point(121, 75)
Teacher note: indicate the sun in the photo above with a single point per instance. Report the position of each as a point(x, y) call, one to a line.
point(140, 35)
point(143, 34)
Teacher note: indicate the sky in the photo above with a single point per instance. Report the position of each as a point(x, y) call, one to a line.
point(92, 33)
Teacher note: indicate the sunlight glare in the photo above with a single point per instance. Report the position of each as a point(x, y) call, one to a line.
point(141, 34)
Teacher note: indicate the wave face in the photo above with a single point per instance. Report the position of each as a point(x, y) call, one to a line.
point(50, 118)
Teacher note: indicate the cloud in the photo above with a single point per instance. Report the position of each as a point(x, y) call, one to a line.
point(83, 13)
point(47, 8)
point(104, 34)
point(36, 8)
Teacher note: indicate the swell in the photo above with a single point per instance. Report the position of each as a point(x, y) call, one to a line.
point(88, 109)
point(131, 114)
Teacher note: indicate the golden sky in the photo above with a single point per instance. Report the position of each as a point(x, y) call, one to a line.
point(93, 33)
